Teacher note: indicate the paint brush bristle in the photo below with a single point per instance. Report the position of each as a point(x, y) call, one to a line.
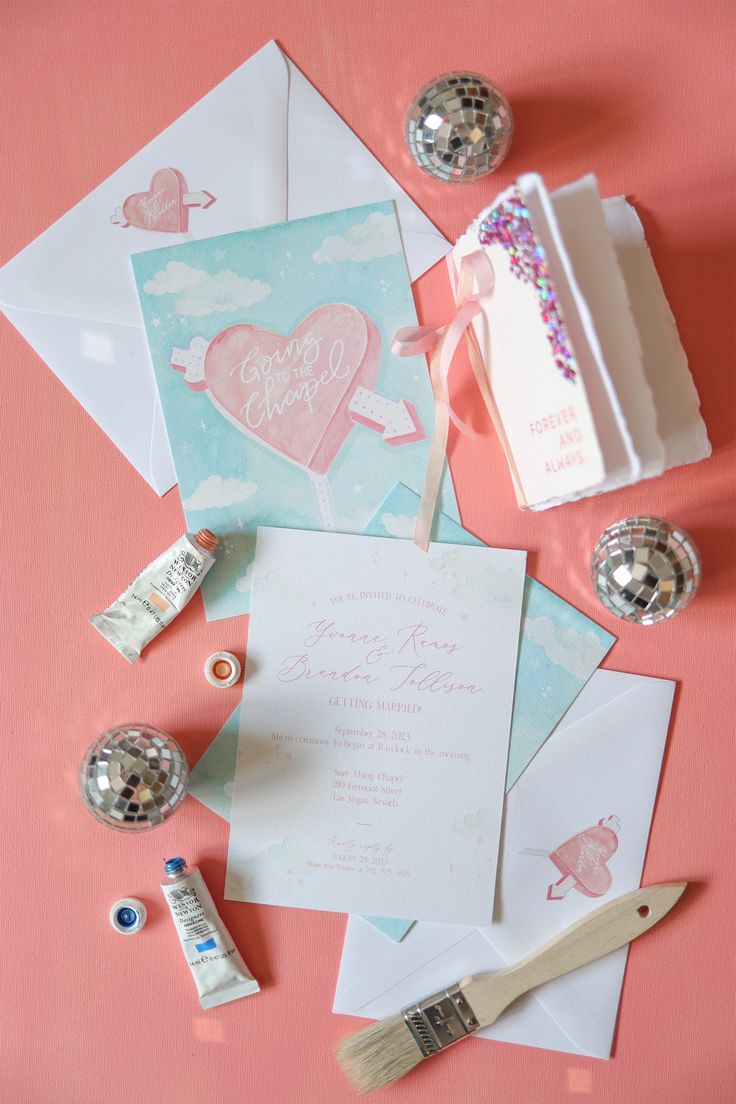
point(379, 1054)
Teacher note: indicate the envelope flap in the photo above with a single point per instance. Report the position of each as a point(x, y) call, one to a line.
point(585, 1004)
point(323, 150)
point(576, 832)
point(107, 368)
point(231, 144)
point(611, 702)
point(378, 976)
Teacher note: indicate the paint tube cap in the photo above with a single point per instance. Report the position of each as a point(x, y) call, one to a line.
point(128, 915)
point(175, 865)
point(206, 539)
point(222, 669)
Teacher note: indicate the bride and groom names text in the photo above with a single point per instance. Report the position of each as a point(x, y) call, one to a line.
point(421, 653)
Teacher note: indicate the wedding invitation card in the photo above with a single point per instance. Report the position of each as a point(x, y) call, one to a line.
point(375, 726)
point(283, 401)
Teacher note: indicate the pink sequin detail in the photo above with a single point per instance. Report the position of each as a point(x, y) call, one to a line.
point(509, 225)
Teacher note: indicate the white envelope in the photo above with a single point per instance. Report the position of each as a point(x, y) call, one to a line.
point(601, 764)
point(268, 148)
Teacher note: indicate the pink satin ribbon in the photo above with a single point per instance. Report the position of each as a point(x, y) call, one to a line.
point(441, 342)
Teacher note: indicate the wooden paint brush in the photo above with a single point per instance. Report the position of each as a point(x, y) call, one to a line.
point(387, 1050)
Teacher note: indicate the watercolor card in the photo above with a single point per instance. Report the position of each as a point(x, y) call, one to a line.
point(284, 404)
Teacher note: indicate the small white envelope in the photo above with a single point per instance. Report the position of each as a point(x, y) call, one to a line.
point(262, 147)
point(577, 823)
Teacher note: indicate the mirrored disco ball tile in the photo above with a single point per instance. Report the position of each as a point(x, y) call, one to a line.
point(459, 127)
point(133, 777)
point(645, 569)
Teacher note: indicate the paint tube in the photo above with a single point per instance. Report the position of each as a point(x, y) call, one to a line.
point(160, 592)
point(218, 970)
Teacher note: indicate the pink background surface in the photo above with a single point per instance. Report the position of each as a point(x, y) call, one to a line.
point(636, 92)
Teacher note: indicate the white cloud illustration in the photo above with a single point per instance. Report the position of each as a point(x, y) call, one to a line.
point(216, 492)
point(199, 293)
point(288, 858)
point(378, 236)
point(355, 522)
point(277, 588)
point(272, 586)
point(477, 582)
point(398, 525)
point(245, 582)
point(275, 870)
point(577, 653)
point(484, 823)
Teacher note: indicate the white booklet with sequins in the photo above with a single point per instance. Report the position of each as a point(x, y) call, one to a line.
point(589, 384)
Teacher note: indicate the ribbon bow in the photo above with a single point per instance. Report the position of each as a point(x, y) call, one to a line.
point(441, 342)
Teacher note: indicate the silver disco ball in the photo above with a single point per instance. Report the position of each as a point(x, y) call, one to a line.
point(459, 127)
point(645, 570)
point(134, 777)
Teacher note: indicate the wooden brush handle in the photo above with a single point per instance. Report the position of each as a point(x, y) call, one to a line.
point(605, 930)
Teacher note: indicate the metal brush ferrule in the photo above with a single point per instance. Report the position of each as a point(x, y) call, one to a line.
point(440, 1020)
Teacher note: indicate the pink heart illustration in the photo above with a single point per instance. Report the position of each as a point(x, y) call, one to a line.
point(162, 206)
point(584, 858)
point(292, 393)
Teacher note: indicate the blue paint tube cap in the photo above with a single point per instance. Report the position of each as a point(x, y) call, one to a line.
point(175, 865)
point(128, 915)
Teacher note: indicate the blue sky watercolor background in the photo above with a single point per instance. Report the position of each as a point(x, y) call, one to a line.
point(368, 271)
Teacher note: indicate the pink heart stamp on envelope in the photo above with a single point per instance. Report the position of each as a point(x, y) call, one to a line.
point(582, 861)
point(164, 207)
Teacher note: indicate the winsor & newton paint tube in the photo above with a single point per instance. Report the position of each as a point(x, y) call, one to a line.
point(218, 970)
point(161, 591)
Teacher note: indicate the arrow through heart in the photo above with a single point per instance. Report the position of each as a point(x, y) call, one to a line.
point(583, 860)
point(164, 207)
point(561, 888)
point(198, 199)
point(395, 419)
point(300, 395)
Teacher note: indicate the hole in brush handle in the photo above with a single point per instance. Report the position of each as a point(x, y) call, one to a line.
point(644, 911)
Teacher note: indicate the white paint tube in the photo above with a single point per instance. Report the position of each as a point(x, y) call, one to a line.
point(161, 591)
point(215, 962)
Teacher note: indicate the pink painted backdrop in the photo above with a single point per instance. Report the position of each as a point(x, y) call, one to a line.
point(637, 92)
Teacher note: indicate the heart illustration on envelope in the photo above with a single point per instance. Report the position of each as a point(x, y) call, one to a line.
point(300, 395)
point(164, 207)
point(582, 861)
